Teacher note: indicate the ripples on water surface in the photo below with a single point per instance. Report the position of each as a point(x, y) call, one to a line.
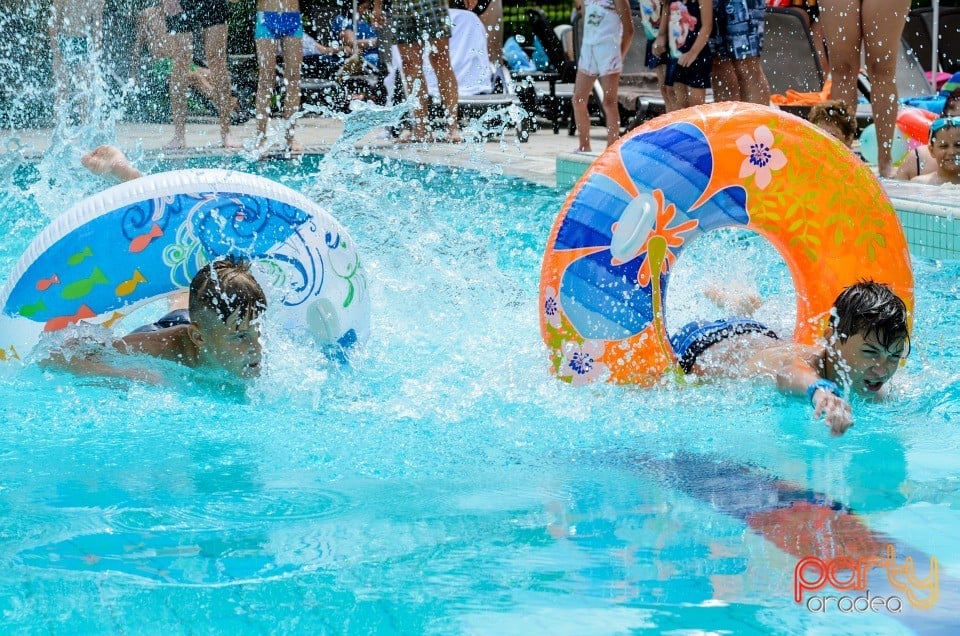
point(445, 482)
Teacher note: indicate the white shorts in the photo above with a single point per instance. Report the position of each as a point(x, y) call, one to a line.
point(601, 59)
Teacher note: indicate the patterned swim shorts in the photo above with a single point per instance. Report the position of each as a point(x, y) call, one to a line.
point(415, 21)
point(738, 29)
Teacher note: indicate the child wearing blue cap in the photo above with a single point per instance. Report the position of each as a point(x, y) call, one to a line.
point(945, 151)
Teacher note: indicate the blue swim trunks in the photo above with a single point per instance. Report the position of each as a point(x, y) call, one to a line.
point(272, 25)
point(171, 319)
point(694, 338)
point(738, 29)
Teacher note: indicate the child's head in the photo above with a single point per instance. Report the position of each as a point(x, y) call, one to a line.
point(225, 305)
point(833, 117)
point(945, 144)
point(868, 330)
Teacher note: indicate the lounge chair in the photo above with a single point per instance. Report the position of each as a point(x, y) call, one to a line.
point(918, 34)
point(789, 58)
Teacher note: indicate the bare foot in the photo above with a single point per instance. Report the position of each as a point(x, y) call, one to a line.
point(294, 146)
point(410, 138)
point(109, 161)
point(738, 301)
point(177, 143)
point(453, 135)
point(228, 141)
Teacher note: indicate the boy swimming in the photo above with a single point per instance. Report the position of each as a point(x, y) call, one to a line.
point(866, 339)
point(218, 331)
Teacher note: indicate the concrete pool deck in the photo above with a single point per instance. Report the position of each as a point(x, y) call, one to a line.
point(930, 214)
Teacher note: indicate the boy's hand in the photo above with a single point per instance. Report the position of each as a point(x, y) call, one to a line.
point(835, 411)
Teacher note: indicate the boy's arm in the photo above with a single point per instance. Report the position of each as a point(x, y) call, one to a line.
point(623, 10)
point(91, 364)
point(706, 27)
point(795, 370)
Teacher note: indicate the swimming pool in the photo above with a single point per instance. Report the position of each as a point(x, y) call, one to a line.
point(445, 482)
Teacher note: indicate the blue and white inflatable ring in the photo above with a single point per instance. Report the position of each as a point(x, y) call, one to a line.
point(144, 239)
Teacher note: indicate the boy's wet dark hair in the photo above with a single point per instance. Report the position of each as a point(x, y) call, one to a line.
point(871, 308)
point(833, 111)
point(225, 287)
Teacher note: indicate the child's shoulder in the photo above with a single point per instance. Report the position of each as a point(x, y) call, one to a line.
point(170, 343)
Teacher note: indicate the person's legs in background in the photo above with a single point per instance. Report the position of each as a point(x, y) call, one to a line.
point(883, 22)
point(439, 53)
point(611, 107)
point(266, 79)
point(411, 59)
point(215, 44)
point(182, 55)
point(292, 61)
point(581, 115)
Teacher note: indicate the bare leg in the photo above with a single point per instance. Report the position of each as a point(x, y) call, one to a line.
point(611, 108)
point(215, 43)
point(737, 301)
point(723, 78)
point(411, 58)
point(581, 115)
point(492, 19)
point(668, 92)
point(754, 87)
point(182, 53)
point(841, 24)
point(266, 78)
point(447, 81)
point(109, 160)
point(292, 60)
point(696, 96)
point(883, 22)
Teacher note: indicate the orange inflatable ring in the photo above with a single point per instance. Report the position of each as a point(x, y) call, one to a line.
point(915, 123)
point(623, 226)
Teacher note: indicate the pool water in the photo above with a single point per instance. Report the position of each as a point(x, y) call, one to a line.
point(444, 481)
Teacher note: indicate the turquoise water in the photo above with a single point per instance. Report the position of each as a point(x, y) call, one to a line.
point(444, 482)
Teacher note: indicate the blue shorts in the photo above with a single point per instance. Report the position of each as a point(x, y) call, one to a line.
point(696, 337)
point(697, 75)
point(272, 25)
point(738, 29)
point(172, 319)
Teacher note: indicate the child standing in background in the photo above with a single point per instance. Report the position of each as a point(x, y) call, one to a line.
point(278, 21)
point(687, 32)
point(651, 14)
point(607, 33)
point(76, 38)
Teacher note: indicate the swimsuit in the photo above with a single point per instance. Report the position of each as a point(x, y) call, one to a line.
point(272, 25)
point(697, 75)
point(696, 337)
point(738, 29)
point(417, 21)
point(198, 15)
point(172, 319)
